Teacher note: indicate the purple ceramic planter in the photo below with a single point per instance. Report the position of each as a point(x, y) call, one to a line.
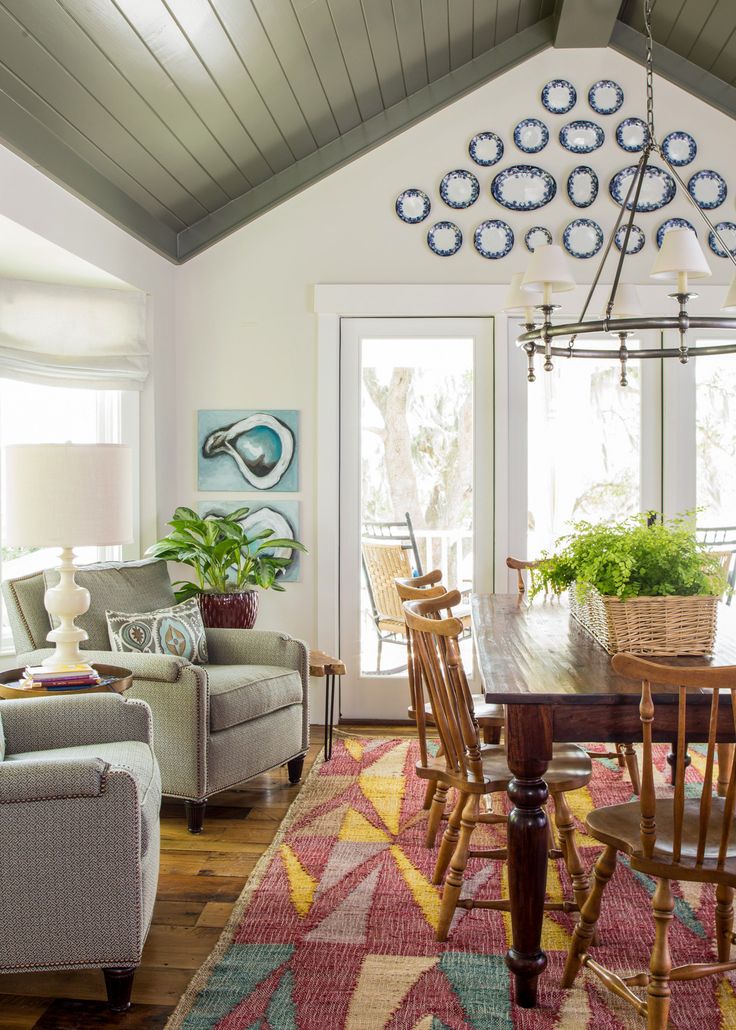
point(229, 611)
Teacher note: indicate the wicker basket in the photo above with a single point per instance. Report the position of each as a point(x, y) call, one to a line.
point(673, 625)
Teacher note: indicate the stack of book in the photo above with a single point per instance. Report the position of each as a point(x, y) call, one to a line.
point(67, 677)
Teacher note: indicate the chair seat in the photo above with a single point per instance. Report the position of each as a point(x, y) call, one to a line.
point(239, 693)
point(618, 825)
point(569, 769)
point(133, 756)
point(485, 713)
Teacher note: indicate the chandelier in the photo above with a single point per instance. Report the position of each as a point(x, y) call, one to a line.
point(679, 260)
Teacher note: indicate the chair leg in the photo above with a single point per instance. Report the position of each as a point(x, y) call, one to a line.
point(119, 985)
point(620, 755)
point(724, 921)
point(566, 829)
point(725, 759)
point(454, 879)
point(589, 916)
point(195, 815)
point(632, 766)
point(449, 839)
point(658, 992)
point(436, 812)
point(429, 794)
point(294, 767)
point(491, 734)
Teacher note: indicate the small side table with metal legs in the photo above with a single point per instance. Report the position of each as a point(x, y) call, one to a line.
point(324, 666)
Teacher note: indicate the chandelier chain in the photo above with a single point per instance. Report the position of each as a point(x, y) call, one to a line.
point(650, 69)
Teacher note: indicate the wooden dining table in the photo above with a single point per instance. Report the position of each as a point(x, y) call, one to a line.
point(557, 685)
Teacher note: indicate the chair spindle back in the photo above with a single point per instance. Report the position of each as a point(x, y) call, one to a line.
point(521, 565)
point(688, 680)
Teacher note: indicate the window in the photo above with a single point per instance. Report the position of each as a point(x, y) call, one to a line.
point(34, 413)
point(715, 405)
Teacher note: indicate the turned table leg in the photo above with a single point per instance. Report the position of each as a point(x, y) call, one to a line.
point(529, 749)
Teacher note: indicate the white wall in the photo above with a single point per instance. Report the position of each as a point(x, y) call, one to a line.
point(246, 332)
point(32, 200)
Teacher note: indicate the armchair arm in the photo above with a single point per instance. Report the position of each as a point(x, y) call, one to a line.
point(41, 723)
point(162, 667)
point(51, 781)
point(257, 647)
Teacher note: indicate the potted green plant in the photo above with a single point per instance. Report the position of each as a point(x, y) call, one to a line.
point(643, 585)
point(229, 564)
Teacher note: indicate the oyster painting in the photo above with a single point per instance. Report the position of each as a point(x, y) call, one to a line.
point(280, 516)
point(247, 450)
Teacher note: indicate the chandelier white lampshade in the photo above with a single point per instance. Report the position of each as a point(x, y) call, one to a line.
point(626, 303)
point(67, 495)
point(548, 271)
point(519, 301)
point(680, 258)
point(729, 303)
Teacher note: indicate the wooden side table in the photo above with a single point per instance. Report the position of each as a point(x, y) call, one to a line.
point(324, 666)
point(114, 678)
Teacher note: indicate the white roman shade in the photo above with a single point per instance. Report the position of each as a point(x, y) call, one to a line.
point(73, 335)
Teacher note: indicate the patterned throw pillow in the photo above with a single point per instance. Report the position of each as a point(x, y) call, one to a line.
point(177, 630)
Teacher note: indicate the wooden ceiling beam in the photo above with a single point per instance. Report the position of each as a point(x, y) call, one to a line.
point(584, 23)
point(691, 77)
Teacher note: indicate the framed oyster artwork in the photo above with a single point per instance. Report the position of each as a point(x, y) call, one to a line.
point(280, 516)
point(247, 450)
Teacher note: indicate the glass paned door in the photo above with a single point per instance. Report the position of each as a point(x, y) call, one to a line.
point(416, 468)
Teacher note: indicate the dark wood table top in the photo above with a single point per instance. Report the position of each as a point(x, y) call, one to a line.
point(535, 652)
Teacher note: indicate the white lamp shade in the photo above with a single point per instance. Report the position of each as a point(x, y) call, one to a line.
point(626, 303)
point(548, 267)
point(729, 303)
point(518, 301)
point(680, 253)
point(68, 495)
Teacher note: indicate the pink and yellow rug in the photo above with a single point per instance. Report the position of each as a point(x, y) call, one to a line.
point(335, 930)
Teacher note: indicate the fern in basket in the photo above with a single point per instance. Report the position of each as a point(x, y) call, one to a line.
point(636, 557)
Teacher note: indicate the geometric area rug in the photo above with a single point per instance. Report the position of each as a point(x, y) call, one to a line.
point(335, 928)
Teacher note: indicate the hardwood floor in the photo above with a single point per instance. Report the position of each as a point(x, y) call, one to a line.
point(201, 877)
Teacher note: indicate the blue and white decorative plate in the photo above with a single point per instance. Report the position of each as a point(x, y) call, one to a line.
point(537, 236)
point(493, 239)
point(707, 188)
point(582, 238)
point(632, 134)
point(523, 188)
point(559, 96)
point(657, 190)
point(486, 148)
point(444, 238)
point(581, 137)
point(582, 186)
point(605, 96)
point(727, 232)
point(531, 135)
point(637, 239)
point(413, 206)
point(673, 223)
point(679, 148)
point(459, 188)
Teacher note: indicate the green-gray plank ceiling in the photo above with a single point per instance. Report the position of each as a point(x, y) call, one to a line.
point(184, 119)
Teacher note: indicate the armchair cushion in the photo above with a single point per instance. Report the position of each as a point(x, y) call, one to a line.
point(175, 630)
point(2, 740)
point(81, 772)
point(239, 693)
point(121, 586)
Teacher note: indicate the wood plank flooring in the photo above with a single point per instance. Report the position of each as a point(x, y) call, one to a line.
point(201, 878)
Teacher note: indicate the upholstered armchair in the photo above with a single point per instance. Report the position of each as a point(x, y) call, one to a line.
point(80, 794)
point(215, 725)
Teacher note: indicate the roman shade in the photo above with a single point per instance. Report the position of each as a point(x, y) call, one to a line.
point(64, 335)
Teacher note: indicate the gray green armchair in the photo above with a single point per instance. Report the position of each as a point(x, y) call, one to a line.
point(215, 725)
point(80, 794)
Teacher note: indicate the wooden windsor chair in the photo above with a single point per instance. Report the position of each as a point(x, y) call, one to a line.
point(490, 718)
point(473, 770)
point(624, 754)
point(676, 838)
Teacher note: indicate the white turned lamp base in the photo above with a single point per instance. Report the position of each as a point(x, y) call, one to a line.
point(67, 601)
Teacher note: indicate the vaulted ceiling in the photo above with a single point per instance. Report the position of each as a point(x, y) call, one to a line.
point(184, 119)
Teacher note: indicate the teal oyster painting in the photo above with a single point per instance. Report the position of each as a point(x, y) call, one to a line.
point(248, 450)
point(280, 516)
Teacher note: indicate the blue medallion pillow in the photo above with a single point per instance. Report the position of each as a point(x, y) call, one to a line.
point(177, 630)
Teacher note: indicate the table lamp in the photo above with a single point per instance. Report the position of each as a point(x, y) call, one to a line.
point(67, 495)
